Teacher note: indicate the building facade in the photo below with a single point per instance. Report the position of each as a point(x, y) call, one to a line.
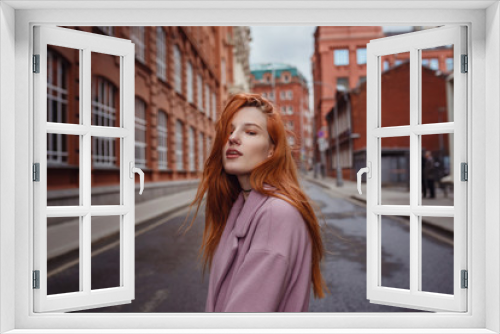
point(182, 80)
point(395, 101)
point(287, 88)
point(339, 64)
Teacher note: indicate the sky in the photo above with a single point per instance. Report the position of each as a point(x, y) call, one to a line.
point(292, 45)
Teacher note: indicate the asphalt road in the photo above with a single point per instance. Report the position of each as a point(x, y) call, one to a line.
point(169, 276)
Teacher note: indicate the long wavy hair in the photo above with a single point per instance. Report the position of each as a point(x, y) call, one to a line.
point(279, 171)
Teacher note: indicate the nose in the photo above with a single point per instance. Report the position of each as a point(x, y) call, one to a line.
point(233, 138)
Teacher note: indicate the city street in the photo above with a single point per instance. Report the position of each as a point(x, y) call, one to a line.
point(168, 275)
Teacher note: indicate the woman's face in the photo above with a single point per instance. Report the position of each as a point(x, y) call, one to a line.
point(249, 143)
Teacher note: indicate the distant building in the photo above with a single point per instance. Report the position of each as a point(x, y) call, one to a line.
point(241, 56)
point(287, 88)
point(395, 101)
point(339, 64)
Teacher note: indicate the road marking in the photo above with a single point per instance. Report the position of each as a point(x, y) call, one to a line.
point(117, 243)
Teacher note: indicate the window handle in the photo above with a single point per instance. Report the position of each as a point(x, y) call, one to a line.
point(133, 170)
point(368, 171)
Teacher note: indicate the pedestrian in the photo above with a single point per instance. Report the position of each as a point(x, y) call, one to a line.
point(262, 240)
point(430, 174)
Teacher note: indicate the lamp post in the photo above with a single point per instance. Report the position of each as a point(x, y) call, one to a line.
point(340, 181)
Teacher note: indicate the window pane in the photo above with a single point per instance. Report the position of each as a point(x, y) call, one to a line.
point(341, 57)
point(162, 140)
point(63, 169)
point(105, 90)
point(343, 84)
point(61, 63)
point(437, 86)
point(161, 54)
point(63, 255)
point(137, 35)
point(395, 90)
point(140, 133)
point(361, 56)
point(105, 171)
point(437, 254)
point(395, 252)
point(437, 169)
point(105, 260)
point(395, 170)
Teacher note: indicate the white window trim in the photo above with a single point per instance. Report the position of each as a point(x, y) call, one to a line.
point(483, 211)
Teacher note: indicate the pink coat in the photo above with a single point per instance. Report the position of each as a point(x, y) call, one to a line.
point(263, 260)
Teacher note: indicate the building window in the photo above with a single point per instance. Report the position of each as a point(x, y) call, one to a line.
point(264, 94)
point(207, 100)
point(201, 160)
point(291, 140)
point(110, 31)
point(178, 69)
point(199, 92)
point(341, 57)
point(191, 149)
point(137, 36)
point(57, 107)
point(286, 78)
point(209, 146)
point(434, 64)
point(398, 62)
point(103, 114)
point(179, 152)
point(214, 105)
point(289, 125)
point(271, 96)
point(283, 110)
point(223, 71)
point(386, 65)
point(162, 140)
point(449, 64)
point(161, 54)
point(343, 84)
point(289, 94)
point(361, 56)
point(290, 110)
point(282, 95)
point(189, 75)
point(362, 79)
point(140, 133)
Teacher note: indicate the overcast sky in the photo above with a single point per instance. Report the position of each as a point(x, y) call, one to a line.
point(292, 45)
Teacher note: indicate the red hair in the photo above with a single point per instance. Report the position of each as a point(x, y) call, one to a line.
point(279, 171)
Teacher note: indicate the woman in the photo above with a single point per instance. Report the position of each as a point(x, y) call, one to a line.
point(261, 240)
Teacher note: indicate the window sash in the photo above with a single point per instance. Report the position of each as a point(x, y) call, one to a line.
point(161, 54)
point(178, 69)
point(137, 35)
point(162, 140)
point(179, 146)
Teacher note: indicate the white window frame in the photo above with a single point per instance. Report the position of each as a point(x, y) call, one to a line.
point(483, 211)
point(415, 43)
point(85, 44)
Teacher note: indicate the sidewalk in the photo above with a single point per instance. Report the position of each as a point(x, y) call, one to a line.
point(390, 196)
point(62, 238)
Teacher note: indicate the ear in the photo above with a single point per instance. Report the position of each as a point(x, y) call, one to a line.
point(271, 151)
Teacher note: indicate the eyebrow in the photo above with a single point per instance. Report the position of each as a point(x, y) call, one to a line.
point(248, 124)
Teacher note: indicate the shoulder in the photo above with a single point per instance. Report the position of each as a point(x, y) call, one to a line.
point(281, 225)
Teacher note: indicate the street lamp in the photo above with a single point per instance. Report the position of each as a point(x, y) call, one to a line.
point(340, 181)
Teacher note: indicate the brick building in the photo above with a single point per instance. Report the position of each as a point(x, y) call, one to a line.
point(287, 88)
point(339, 63)
point(182, 79)
point(395, 101)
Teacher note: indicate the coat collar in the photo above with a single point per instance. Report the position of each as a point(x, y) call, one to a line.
point(251, 205)
point(238, 223)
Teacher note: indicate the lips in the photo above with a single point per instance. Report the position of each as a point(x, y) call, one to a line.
point(232, 153)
